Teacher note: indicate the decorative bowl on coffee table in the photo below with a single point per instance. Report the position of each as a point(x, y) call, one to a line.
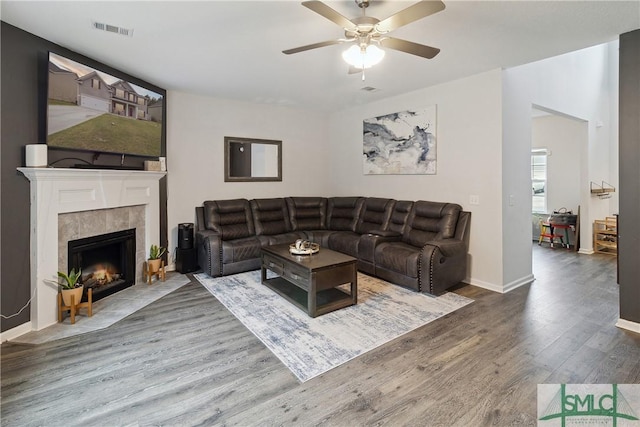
point(304, 247)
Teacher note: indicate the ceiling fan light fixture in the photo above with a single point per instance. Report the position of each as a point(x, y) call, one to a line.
point(363, 57)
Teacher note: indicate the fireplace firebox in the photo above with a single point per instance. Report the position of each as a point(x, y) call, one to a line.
point(107, 262)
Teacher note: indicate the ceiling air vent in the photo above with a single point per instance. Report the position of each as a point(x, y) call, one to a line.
point(113, 29)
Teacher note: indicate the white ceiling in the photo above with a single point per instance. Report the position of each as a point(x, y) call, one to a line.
point(232, 49)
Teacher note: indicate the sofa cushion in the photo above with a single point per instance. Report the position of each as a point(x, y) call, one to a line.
point(374, 215)
point(342, 213)
point(345, 242)
point(230, 218)
point(270, 216)
point(399, 215)
point(307, 213)
point(240, 249)
point(320, 237)
point(431, 221)
point(277, 239)
point(399, 257)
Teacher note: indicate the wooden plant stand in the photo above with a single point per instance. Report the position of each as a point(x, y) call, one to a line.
point(75, 308)
point(148, 273)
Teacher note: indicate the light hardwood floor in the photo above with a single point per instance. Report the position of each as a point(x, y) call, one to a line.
point(185, 360)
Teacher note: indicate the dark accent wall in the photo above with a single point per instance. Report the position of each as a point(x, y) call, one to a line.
point(629, 152)
point(22, 95)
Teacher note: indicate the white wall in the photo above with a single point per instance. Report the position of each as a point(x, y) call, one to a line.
point(469, 140)
point(564, 139)
point(196, 128)
point(577, 84)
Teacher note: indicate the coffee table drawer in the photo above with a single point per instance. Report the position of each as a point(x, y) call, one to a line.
point(273, 264)
point(299, 276)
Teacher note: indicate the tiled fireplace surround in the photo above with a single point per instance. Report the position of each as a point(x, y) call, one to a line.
point(69, 204)
point(78, 225)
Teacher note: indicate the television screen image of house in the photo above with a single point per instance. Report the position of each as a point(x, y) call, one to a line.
point(90, 110)
point(401, 143)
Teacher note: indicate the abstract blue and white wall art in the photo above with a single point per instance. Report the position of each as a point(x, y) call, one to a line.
point(401, 143)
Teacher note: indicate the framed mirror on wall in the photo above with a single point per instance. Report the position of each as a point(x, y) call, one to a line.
point(248, 159)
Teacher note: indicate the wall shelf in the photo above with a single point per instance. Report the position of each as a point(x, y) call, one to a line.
point(603, 190)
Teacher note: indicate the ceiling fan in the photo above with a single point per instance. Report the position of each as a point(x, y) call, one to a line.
point(368, 33)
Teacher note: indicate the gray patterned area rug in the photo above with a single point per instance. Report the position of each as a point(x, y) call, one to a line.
point(311, 346)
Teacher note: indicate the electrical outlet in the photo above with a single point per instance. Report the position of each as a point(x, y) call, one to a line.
point(474, 199)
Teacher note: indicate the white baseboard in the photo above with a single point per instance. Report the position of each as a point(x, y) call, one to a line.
point(586, 251)
point(628, 325)
point(15, 332)
point(501, 288)
point(515, 284)
point(484, 285)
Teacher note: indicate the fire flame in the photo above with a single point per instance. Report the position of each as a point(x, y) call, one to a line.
point(102, 275)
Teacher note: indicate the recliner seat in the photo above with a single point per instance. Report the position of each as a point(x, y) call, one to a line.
point(427, 257)
point(309, 214)
point(272, 223)
point(374, 214)
point(227, 244)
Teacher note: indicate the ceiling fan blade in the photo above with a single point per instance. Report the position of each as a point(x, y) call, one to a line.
point(311, 46)
point(410, 47)
point(324, 10)
point(410, 14)
point(354, 70)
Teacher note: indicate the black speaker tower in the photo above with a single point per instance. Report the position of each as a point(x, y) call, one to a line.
point(185, 236)
point(186, 260)
point(186, 255)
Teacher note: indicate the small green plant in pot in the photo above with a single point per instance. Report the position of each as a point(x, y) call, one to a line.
point(156, 252)
point(155, 257)
point(71, 286)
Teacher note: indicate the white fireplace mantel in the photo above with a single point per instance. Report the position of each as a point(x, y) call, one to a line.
point(55, 191)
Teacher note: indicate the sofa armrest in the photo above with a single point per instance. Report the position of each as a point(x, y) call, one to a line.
point(209, 250)
point(449, 247)
point(443, 263)
point(368, 242)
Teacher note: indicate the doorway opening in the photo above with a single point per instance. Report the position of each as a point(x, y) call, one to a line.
point(559, 147)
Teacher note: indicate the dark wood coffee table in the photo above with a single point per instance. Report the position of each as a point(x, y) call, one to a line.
point(310, 281)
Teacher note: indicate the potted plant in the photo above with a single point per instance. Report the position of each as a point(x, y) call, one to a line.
point(71, 286)
point(155, 257)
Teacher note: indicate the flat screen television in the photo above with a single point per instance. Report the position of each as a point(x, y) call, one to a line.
point(89, 109)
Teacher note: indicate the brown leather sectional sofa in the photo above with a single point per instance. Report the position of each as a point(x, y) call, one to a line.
point(420, 245)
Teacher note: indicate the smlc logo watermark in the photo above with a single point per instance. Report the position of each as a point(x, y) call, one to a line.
point(615, 405)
